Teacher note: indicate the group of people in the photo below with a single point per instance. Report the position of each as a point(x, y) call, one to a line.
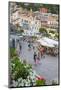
point(36, 57)
point(42, 51)
point(38, 52)
point(39, 55)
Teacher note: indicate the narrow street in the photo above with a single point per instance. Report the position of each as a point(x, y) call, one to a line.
point(48, 67)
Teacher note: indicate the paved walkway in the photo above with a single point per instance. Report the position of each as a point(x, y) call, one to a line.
point(48, 67)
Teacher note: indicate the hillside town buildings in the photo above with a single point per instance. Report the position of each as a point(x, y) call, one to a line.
point(31, 21)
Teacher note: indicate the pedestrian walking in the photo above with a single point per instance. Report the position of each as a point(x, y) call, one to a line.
point(20, 47)
point(33, 47)
point(38, 57)
point(35, 57)
point(29, 46)
point(42, 50)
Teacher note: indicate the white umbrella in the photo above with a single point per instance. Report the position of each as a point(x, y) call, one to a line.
point(43, 43)
point(50, 41)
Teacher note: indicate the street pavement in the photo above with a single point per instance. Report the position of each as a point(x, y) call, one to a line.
point(48, 67)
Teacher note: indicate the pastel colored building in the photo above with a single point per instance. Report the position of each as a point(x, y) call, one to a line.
point(31, 21)
point(43, 10)
point(27, 21)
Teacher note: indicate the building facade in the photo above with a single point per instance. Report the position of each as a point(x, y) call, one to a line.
point(31, 21)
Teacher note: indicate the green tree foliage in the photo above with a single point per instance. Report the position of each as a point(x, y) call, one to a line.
point(43, 30)
point(53, 32)
point(56, 36)
point(52, 8)
point(18, 69)
point(36, 6)
point(34, 37)
point(12, 52)
point(47, 35)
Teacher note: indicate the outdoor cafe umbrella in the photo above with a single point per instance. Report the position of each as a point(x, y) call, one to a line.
point(43, 43)
point(50, 41)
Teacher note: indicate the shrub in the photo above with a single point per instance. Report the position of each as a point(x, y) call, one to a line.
point(40, 82)
point(12, 52)
point(21, 73)
point(18, 69)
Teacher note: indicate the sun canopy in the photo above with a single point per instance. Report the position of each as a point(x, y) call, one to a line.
point(43, 43)
point(47, 42)
point(50, 41)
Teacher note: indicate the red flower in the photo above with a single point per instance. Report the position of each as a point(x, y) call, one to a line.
point(40, 78)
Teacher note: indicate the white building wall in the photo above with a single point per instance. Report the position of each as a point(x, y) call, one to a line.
point(32, 24)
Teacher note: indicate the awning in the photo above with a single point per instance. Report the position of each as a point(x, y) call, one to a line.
point(50, 41)
point(44, 43)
